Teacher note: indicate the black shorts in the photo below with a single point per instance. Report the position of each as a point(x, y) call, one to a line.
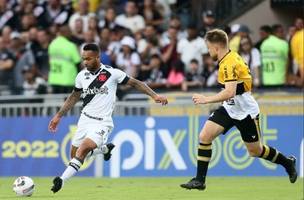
point(248, 127)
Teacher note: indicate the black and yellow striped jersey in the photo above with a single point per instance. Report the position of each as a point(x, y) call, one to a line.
point(233, 68)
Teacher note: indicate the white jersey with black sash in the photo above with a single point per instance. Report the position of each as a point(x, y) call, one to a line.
point(99, 92)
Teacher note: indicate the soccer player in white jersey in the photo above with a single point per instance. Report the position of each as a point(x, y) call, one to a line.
point(98, 83)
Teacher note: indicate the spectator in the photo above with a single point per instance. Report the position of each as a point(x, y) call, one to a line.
point(151, 49)
point(114, 46)
point(24, 14)
point(278, 31)
point(291, 31)
point(40, 53)
point(83, 13)
point(128, 59)
point(208, 22)
point(7, 16)
point(105, 37)
point(23, 58)
point(93, 24)
point(152, 74)
point(32, 84)
point(209, 73)
point(193, 78)
point(297, 49)
point(274, 54)
point(109, 19)
point(291, 67)
point(252, 57)
point(176, 24)
point(151, 14)
point(240, 32)
point(299, 24)
point(64, 62)
point(169, 52)
point(165, 6)
point(90, 36)
point(192, 47)
point(24, 7)
point(52, 12)
point(77, 33)
point(149, 37)
point(32, 37)
point(131, 20)
point(6, 36)
point(105, 55)
point(7, 61)
point(27, 21)
point(265, 31)
point(176, 75)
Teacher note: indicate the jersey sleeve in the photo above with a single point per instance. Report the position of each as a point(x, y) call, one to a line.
point(78, 85)
point(120, 76)
point(230, 72)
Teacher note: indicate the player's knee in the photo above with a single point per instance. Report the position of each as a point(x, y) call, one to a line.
point(82, 152)
point(254, 151)
point(205, 137)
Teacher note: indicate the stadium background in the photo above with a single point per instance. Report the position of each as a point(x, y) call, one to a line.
point(152, 141)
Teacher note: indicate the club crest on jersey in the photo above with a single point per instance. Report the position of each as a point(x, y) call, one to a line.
point(102, 77)
point(95, 90)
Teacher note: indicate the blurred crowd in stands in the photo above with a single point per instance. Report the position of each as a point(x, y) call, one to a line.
point(41, 41)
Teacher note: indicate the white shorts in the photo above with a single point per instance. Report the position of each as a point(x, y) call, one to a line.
point(92, 129)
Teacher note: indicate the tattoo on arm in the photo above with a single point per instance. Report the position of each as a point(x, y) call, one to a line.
point(69, 103)
point(141, 86)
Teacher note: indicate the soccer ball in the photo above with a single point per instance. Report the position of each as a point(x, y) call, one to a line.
point(23, 186)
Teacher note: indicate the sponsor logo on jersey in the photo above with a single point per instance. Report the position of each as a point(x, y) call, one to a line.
point(95, 90)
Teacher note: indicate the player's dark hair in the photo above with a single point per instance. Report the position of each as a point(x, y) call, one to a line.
point(217, 36)
point(91, 47)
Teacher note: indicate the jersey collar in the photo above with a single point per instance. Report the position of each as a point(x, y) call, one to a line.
point(96, 72)
point(224, 56)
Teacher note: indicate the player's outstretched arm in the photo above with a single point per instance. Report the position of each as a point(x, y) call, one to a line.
point(68, 104)
point(143, 87)
point(227, 93)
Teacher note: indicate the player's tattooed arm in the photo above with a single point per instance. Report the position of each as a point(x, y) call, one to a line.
point(143, 87)
point(69, 103)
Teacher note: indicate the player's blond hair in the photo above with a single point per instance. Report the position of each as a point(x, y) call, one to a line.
point(217, 36)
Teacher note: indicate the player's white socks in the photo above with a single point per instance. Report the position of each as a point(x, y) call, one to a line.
point(71, 170)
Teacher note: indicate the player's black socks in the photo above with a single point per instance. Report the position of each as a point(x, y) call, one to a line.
point(203, 158)
point(275, 156)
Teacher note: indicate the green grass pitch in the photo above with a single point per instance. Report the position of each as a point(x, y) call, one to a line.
point(218, 188)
